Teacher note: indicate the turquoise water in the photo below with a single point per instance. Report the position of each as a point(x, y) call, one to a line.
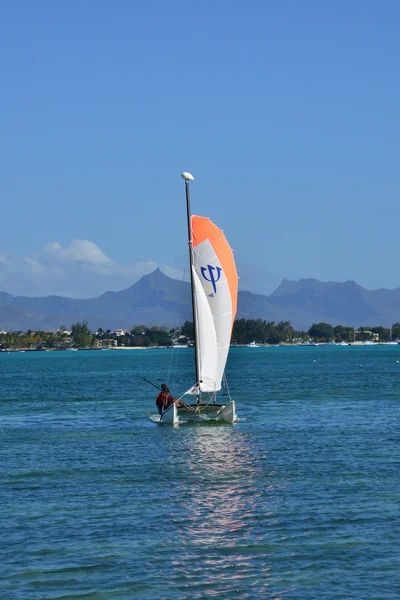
point(298, 500)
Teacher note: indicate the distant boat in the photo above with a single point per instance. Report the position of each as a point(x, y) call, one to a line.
point(214, 285)
point(391, 342)
point(252, 345)
point(342, 343)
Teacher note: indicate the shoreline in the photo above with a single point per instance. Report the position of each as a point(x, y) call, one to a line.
point(121, 348)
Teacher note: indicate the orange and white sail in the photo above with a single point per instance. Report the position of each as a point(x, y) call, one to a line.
point(215, 284)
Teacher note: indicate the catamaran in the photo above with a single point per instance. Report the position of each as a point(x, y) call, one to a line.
point(214, 285)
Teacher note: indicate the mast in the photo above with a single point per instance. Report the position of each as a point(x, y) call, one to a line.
point(188, 177)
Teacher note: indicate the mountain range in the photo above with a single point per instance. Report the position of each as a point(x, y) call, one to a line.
point(160, 300)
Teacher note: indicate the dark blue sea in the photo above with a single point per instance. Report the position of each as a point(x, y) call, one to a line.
point(298, 500)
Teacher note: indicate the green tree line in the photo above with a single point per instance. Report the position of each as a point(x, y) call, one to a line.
point(244, 331)
point(80, 336)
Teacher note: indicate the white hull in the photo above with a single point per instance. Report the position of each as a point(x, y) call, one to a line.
point(228, 413)
point(170, 416)
point(225, 413)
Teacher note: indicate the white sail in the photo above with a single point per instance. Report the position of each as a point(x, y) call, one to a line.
point(215, 282)
point(206, 340)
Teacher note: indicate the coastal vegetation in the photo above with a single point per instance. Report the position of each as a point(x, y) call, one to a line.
point(245, 331)
point(263, 332)
point(80, 334)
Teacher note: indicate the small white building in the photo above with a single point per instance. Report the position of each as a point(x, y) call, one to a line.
point(119, 332)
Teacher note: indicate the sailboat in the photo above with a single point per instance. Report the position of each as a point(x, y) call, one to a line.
point(391, 342)
point(214, 285)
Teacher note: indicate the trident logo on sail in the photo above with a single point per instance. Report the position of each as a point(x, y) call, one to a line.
point(214, 274)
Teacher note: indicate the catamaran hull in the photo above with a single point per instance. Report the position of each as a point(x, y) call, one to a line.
point(228, 413)
point(170, 416)
point(225, 413)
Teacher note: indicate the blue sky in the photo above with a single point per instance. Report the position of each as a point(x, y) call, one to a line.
point(287, 114)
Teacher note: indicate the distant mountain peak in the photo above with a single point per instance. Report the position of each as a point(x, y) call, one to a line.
point(289, 287)
point(157, 299)
point(156, 274)
point(155, 278)
point(285, 287)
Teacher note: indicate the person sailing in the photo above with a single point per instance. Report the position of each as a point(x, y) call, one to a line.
point(164, 399)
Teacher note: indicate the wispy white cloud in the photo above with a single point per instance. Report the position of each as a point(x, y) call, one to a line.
point(81, 251)
point(78, 270)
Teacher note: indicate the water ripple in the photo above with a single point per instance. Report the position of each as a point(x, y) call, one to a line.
point(298, 500)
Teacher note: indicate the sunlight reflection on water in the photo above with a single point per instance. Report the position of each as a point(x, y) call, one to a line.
point(225, 503)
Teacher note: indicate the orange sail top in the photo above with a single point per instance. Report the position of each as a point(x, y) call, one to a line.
point(204, 229)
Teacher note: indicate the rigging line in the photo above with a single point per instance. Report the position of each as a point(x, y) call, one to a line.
point(172, 365)
point(171, 371)
point(227, 386)
point(206, 398)
point(185, 404)
point(174, 356)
